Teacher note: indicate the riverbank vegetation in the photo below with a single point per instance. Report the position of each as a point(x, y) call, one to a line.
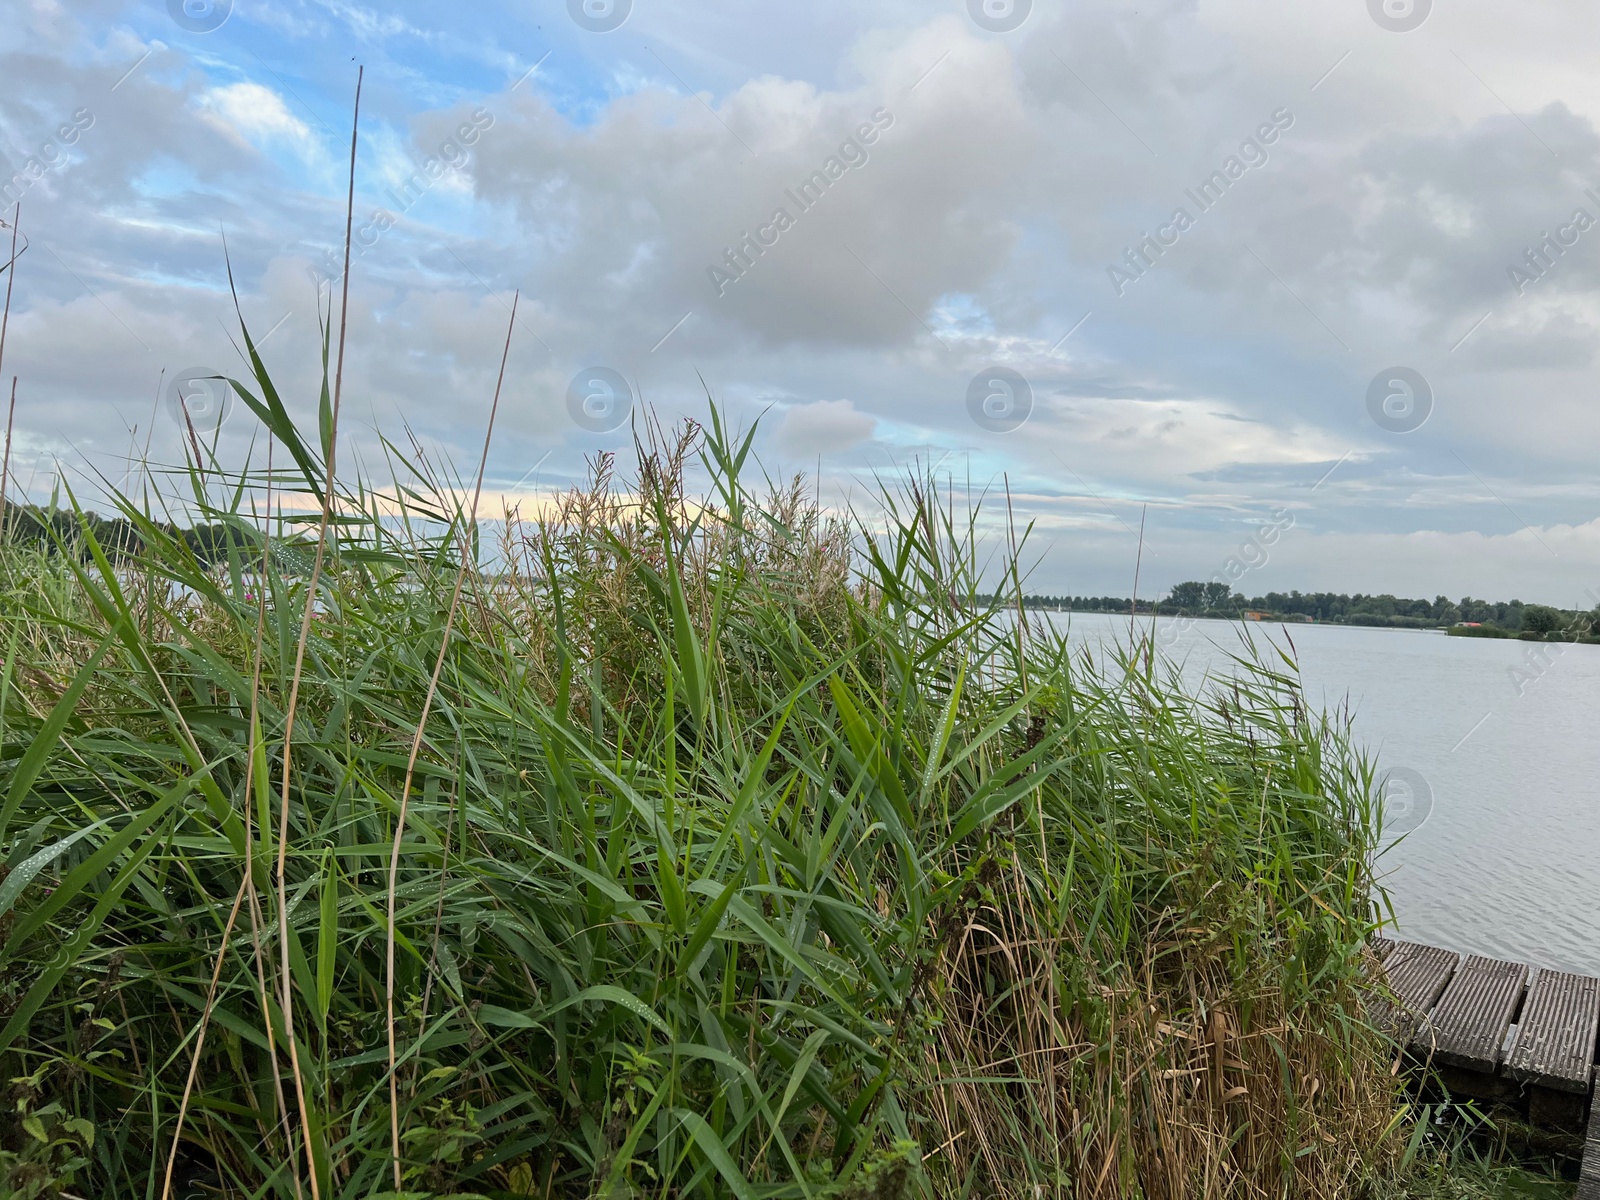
point(660, 843)
point(1468, 616)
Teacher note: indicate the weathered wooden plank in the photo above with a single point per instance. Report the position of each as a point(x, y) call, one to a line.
point(1556, 1036)
point(1589, 1176)
point(1468, 1026)
point(1380, 946)
point(1417, 976)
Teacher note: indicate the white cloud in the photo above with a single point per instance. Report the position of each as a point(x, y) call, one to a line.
point(256, 115)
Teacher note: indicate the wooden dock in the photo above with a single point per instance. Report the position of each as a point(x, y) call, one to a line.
point(1500, 1032)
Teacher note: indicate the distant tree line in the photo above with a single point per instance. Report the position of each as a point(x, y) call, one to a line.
point(119, 538)
point(1216, 599)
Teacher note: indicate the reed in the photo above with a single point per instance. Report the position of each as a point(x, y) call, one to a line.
point(652, 843)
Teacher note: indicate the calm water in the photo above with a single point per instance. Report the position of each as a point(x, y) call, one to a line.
point(1507, 862)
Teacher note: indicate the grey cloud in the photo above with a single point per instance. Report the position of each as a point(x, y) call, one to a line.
point(646, 200)
point(822, 427)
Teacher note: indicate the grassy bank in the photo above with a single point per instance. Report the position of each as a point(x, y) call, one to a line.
point(1524, 635)
point(662, 845)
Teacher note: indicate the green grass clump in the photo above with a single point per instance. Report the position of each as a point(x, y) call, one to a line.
point(1463, 1176)
point(731, 849)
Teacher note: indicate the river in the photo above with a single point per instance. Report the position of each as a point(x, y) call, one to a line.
point(1493, 754)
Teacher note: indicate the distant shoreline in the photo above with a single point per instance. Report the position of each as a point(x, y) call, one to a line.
point(1567, 633)
point(1467, 617)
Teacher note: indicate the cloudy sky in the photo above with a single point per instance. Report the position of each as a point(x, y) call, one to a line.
point(1223, 264)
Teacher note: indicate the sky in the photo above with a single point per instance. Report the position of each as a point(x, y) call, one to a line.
point(1307, 291)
